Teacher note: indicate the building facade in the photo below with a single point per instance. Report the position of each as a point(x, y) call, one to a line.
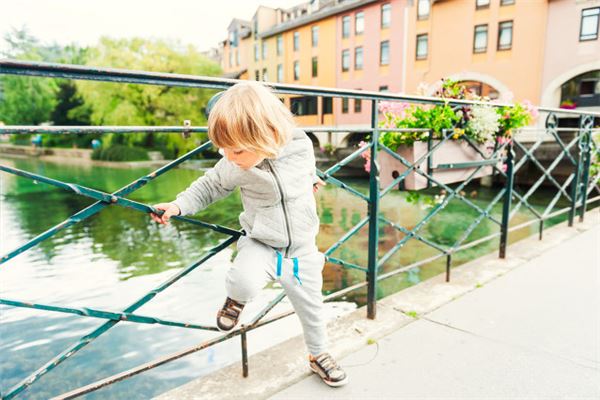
point(544, 51)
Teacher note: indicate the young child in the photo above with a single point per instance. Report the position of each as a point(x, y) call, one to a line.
point(273, 164)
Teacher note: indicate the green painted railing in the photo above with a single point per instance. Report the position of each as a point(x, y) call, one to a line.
point(580, 188)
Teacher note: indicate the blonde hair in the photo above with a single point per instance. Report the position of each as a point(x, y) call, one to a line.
point(249, 116)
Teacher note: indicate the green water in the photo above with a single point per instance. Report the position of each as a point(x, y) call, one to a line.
point(111, 259)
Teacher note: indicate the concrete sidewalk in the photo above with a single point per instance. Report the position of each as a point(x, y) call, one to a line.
point(533, 333)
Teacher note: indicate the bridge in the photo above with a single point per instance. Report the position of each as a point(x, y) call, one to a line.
point(570, 199)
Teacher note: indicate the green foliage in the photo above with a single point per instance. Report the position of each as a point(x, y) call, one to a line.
point(148, 105)
point(120, 153)
point(513, 117)
point(481, 123)
point(25, 100)
point(438, 119)
point(34, 100)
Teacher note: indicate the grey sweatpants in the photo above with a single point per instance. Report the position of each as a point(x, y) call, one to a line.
point(256, 264)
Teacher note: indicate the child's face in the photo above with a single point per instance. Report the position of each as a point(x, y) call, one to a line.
point(244, 159)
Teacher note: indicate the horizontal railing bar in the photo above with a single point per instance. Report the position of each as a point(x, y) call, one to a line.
point(29, 129)
point(54, 70)
point(469, 164)
point(103, 314)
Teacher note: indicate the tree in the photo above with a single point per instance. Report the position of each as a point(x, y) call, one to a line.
point(25, 100)
point(148, 105)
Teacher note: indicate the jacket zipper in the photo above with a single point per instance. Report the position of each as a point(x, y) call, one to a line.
point(285, 214)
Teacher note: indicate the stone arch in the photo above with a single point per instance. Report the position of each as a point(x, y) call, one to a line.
point(352, 139)
point(313, 138)
point(551, 93)
point(505, 94)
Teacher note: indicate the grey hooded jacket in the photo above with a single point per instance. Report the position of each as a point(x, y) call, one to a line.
point(277, 196)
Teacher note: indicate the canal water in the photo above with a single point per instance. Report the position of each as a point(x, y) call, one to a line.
point(115, 257)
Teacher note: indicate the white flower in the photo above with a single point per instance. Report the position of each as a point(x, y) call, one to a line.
point(483, 123)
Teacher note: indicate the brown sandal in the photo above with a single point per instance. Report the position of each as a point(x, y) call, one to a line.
point(229, 314)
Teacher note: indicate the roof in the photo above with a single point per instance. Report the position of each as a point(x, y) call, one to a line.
point(234, 74)
point(326, 11)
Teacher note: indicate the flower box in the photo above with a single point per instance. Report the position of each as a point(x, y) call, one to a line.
point(450, 152)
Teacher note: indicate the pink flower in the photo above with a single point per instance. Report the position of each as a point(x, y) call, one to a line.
point(393, 107)
point(531, 109)
point(504, 167)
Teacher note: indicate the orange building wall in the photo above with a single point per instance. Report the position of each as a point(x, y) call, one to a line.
point(325, 51)
point(451, 27)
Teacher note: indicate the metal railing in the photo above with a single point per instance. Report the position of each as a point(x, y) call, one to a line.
point(579, 188)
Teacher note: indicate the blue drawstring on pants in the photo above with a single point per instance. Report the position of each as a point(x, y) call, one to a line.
point(279, 263)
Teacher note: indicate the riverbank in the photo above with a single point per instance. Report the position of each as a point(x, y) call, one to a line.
point(284, 365)
point(84, 157)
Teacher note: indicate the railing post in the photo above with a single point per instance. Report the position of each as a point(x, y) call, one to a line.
point(373, 217)
point(510, 163)
point(575, 183)
point(586, 123)
point(244, 353)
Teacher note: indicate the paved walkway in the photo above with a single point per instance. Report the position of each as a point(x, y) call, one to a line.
point(533, 333)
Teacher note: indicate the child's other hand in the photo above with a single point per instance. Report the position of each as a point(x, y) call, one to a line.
point(169, 209)
point(318, 183)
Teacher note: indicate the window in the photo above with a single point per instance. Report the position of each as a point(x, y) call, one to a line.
point(296, 41)
point(305, 105)
point(358, 58)
point(507, 2)
point(230, 58)
point(315, 36)
point(257, 75)
point(589, 24)
point(255, 27)
point(265, 77)
point(386, 13)
point(588, 87)
point(423, 9)
point(505, 33)
point(480, 39)
point(345, 60)
point(383, 88)
point(315, 67)
point(279, 45)
point(359, 23)
point(346, 26)
point(345, 105)
point(327, 105)
point(479, 4)
point(357, 105)
point(384, 53)
point(422, 46)
point(296, 70)
point(264, 50)
point(233, 38)
point(279, 73)
point(255, 51)
point(237, 57)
